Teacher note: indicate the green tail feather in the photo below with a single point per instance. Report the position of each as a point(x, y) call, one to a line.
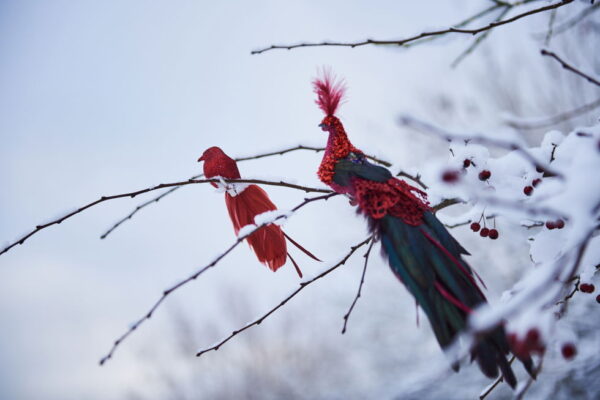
point(428, 260)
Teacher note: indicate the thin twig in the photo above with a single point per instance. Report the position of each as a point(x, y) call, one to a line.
point(530, 380)
point(168, 192)
point(479, 39)
point(139, 207)
point(569, 67)
point(556, 119)
point(496, 382)
point(362, 281)
point(563, 27)
point(550, 28)
point(505, 144)
point(196, 274)
point(284, 301)
point(446, 203)
point(403, 42)
point(158, 187)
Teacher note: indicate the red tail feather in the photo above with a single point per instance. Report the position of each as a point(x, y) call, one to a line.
point(329, 92)
point(268, 242)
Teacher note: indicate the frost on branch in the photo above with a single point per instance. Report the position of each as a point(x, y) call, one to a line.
point(560, 209)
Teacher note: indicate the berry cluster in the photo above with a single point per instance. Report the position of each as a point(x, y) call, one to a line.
point(485, 232)
point(524, 347)
point(528, 190)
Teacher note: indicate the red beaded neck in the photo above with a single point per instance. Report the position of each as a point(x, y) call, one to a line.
point(338, 147)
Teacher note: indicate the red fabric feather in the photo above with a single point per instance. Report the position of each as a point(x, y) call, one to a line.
point(329, 92)
point(268, 242)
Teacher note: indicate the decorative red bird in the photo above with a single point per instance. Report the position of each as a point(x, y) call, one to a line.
point(421, 252)
point(244, 202)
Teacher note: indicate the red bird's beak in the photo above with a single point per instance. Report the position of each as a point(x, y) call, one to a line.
point(324, 127)
point(201, 158)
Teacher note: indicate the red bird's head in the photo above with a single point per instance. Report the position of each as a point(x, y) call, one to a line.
point(217, 163)
point(330, 94)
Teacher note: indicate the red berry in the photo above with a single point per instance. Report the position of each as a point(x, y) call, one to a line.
point(559, 224)
point(493, 234)
point(484, 175)
point(587, 288)
point(475, 227)
point(539, 169)
point(450, 176)
point(536, 182)
point(528, 190)
point(598, 298)
point(568, 351)
point(466, 163)
point(484, 232)
point(533, 336)
point(550, 225)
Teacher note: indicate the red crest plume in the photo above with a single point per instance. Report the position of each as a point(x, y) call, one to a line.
point(329, 92)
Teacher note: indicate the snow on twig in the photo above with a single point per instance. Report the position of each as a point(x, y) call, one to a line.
point(247, 232)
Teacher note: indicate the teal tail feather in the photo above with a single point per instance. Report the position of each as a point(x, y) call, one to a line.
point(428, 261)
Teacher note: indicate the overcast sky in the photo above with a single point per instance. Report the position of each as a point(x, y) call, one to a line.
point(103, 97)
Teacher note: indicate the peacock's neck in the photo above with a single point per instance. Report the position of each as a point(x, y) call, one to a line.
point(338, 147)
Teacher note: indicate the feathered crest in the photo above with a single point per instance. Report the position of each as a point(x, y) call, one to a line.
point(329, 91)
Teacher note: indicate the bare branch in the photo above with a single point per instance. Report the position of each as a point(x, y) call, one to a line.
point(556, 119)
point(153, 188)
point(567, 66)
point(505, 144)
point(362, 281)
point(196, 274)
point(139, 207)
point(168, 192)
point(403, 42)
point(446, 203)
point(284, 301)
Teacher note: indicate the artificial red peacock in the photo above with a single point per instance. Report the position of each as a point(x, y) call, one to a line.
point(421, 252)
point(244, 202)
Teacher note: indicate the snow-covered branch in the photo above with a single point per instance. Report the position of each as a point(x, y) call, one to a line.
point(133, 194)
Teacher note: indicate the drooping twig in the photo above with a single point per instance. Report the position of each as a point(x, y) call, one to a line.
point(199, 272)
point(556, 119)
point(505, 144)
point(499, 379)
point(530, 379)
point(480, 38)
point(156, 199)
point(569, 67)
point(362, 281)
point(405, 41)
point(563, 27)
point(303, 285)
point(153, 188)
point(550, 27)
